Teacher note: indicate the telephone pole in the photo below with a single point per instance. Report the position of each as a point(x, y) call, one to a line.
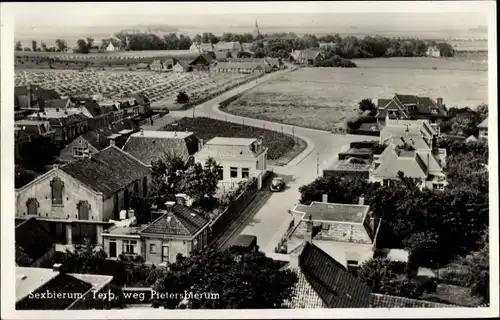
point(317, 164)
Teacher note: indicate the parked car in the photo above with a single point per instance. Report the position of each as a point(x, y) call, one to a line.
point(278, 184)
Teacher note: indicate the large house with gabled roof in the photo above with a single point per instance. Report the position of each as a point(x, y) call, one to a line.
point(411, 107)
point(77, 200)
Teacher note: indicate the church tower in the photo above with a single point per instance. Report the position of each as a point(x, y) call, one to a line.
point(256, 32)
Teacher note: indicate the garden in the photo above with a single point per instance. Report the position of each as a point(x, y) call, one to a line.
point(280, 145)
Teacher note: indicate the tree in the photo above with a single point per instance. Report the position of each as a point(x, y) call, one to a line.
point(44, 46)
point(422, 246)
point(19, 46)
point(367, 105)
point(82, 46)
point(446, 49)
point(90, 43)
point(378, 148)
point(61, 45)
point(38, 154)
point(182, 97)
point(200, 183)
point(241, 280)
point(34, 45)
point(166, 175)
point(229, 55)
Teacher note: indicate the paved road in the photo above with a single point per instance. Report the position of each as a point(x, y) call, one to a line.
point(272, 219)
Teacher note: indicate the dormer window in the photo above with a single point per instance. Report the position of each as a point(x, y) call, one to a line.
point(434, 111)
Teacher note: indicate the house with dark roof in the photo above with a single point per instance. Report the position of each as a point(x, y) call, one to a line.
point(77, 200)
point(36, 128)
point(483, 129)
point(346, 232)
point(96, 140)
point(411, 107)
point(323, 281)
point(203, 61)
point(52, 289)
point(307, 56)
point(67, 124)
point(178, 230)
point(34, 245)
point(99, 116)
point(36, 98)
point(149, 146)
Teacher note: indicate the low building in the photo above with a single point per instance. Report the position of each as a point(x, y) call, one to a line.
point(201, 47)
point(178, 230)
point(433, 52)
point(181, 66)
point(67, 125)
point(111, 48)
point(232, 46)
point(99, 116)
point(203, 61)
point(349, 167)
point(149, 146)
point(238, 158)
point(34, 245)
point(97, 140)
point(411, 107)
point(156, 65)
point(78, 199)
point(36, 98)
point(36, 129)
point(423, 165)
point(307, 56)
point(241, 67)
point(346, 232)
point(483, 129)
point(323, 282)
point(51, 289)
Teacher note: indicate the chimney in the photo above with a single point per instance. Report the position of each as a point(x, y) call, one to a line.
point(440, 102)
point(180, 198)
point(56, 267)
point(325, 198)
point(294, 260)
point(361, 200)
point(28, 89)
point(309, 230)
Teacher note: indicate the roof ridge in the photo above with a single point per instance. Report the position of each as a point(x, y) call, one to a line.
point(127, 154)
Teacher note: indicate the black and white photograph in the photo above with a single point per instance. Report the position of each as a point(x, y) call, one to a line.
point(250, 159)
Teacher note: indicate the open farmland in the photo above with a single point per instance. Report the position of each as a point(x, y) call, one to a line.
point(325, 98)
point(282, 148)
point(161, 88)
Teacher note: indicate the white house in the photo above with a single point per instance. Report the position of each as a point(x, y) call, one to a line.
point(111, 48)
point(433, 52)
point(239, 158)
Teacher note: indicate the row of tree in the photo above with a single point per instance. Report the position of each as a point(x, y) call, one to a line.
point(279, 44)
point(61, 46)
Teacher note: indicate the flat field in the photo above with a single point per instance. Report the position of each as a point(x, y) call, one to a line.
point(325, 98)
point(282, 148)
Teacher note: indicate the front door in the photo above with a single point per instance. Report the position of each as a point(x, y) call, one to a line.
point(112, 249)
point(165, 253)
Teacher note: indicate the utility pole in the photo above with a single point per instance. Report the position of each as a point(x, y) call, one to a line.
point(293, 133)
point(317, 164)
point(193, 111)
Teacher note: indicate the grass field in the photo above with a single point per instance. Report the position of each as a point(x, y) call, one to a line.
point(325, 98)
point(282, 148)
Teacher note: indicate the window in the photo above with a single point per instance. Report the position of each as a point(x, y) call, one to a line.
point(220, 173)
point(438, 186)
point(352, 262)
point(165, 253)
point(234, 172)
point(57, 190)
point(245, 173)
point(79, 152)
point(152, 248)
point(83, 208)
point(32, 207)
point(112, 248)
point(129, 246)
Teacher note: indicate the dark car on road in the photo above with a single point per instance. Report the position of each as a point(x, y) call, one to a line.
point(278, 184)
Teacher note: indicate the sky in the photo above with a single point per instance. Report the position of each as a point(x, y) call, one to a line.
point(427, 15)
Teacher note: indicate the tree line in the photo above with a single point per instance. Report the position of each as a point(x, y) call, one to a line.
point(278, 45)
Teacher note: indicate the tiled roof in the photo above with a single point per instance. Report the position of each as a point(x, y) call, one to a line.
point(387, 301)
point(228, 147)
point(402, 102)
point(107, 171)
point(483, 124)
point(98, 137)
point(391, 162)
point(333, 211)
point(33, 239)
point(239, 65)
point(381, 103)
point(65, 120)
point(62, 283)
point(328, 279)
point(152, 148)
point(179, 220)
